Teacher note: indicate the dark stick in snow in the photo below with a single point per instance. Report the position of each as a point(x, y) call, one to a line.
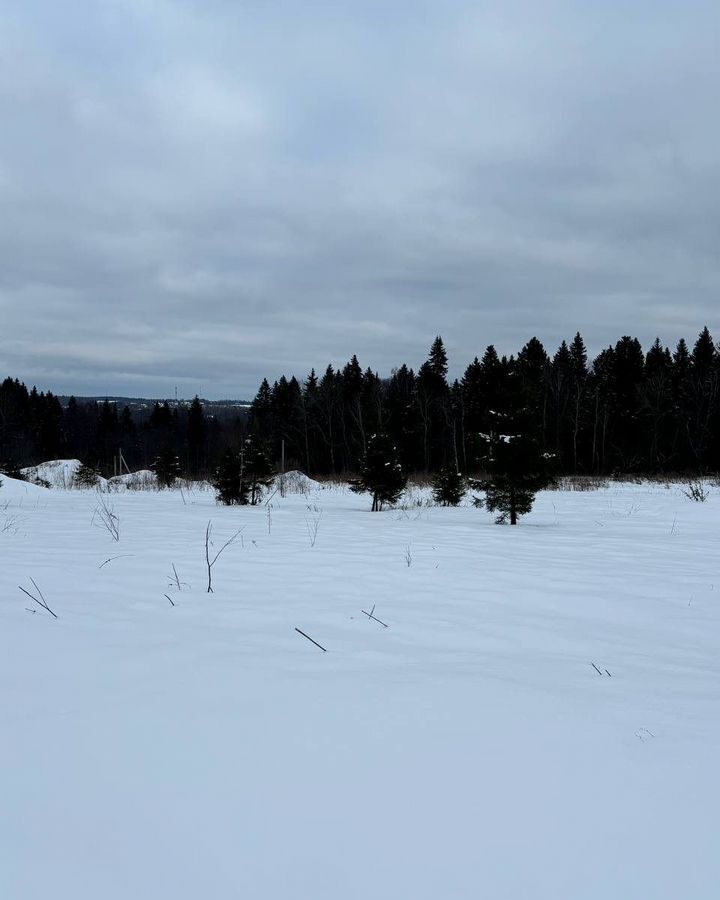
point(42, 602)
point(210, 563)
point(371, 616)
point(122, 555)
point(311, 640)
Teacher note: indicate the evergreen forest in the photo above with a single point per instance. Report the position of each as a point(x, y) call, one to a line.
point(628, 411)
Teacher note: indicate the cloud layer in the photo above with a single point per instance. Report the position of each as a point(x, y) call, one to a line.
point(205, 193)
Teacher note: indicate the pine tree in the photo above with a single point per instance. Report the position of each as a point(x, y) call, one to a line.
point(380, 473)
point(231, 485)
point(449, 486)
point(516, 467)
point(261, 410)
point(86, 477)
point(432, 395)
point(437, 359)
point(196, 435)
point(258, 469)
point(166, 468)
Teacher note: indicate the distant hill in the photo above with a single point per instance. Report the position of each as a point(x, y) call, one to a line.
point(145, 403)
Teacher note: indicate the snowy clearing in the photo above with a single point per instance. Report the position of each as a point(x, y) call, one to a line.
point(540, 718)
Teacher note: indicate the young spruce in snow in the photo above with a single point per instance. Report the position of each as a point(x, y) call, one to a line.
point(243, 474)
point(166, 468)
point(449, 486)
point(231, 489)
point(380, 473)
point(515, 466)
point(258, 468)
point(86, 477)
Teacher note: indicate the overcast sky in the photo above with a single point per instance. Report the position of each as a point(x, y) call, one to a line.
point(204, 192)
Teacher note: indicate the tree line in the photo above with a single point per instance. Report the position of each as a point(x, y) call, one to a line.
point(625, 412)
point(36, 426)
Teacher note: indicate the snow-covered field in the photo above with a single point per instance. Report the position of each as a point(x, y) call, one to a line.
point(468, 750)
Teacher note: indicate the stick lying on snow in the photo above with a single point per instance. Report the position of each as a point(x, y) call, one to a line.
point(311, 640)
point(371, 616)
point(40, 602)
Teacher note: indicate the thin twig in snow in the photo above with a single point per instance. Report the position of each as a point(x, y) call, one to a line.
point(371, 615)
point(210, 564)
point(311, 640)
point(41, 601)
point(113, 558)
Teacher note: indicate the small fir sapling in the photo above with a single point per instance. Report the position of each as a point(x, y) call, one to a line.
point(259, 470)
point(243, 474)
point(166, 468)
point(380, 473)
point(86, 477)
point(449, 486)
point(515, 466)
point(231, 485)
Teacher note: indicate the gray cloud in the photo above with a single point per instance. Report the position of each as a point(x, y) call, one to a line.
point(203, 194)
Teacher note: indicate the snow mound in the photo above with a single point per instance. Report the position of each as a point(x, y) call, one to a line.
point(143, 480)
point(14, 489)
point(297, 482)
point(58, 473)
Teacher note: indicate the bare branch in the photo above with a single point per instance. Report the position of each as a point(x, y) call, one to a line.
point(41, 601)
point(210, 563)
point(105, 512)
point(311, 640)
point(371, 615)
point(112, 558)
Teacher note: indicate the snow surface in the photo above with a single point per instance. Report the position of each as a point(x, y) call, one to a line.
point(14, 493)
point(469, 750)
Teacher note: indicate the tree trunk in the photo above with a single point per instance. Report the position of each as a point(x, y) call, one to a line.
point(576, 429)
point(455, 450)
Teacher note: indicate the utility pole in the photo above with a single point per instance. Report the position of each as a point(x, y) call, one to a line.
point(282, 468)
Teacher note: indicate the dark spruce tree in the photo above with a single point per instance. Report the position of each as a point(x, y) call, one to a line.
point(231, 487)
point(380, 473)
point(196, 429)
point(86, 477)
point(257, 469)
point(449, 486)
point(515, 465)
point(166, 468)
